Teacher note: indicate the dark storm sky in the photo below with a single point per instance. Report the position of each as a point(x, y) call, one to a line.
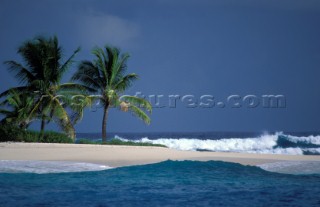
point(188, 47)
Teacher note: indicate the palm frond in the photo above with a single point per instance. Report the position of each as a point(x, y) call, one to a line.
point(62, 118)
point(41, 86)
point(119, 67)
point(68, 63)
point(22, 74)
point(5, 112)
point(136, 111)
point(20, 105)
point(88, 74)
point(79, 103)
point(39, 106)
point(74, 87)
point(100, 63)
point(112, 53)
point(21, 89)
point(125, 82)
point(32, 55)
point(140, 102)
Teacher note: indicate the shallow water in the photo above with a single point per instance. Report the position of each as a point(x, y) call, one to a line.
point(170, 183)
point(40, 167)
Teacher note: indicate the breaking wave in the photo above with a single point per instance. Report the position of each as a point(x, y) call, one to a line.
point(277, 143)
point(42, 167)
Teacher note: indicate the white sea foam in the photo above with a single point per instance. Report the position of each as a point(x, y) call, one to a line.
point(293, 167)
point(310, 139)
point(40, 167)
point(265, 144)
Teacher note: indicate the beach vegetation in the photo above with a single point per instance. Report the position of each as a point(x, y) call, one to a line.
point(12, 133)
point(42, 94)
point(17, 108)
point(116, 141)
point(106, 75)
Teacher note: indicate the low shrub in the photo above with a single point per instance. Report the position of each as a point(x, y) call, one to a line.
point(131, 143)
point(87, 141)
point(15, 134)
point(31, 136)
point(11, 133)
point(118, 142)
point(56, 137)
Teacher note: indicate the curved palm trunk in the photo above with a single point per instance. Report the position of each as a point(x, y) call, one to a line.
point(72, 133)
point(43, 124)
point(104, 123)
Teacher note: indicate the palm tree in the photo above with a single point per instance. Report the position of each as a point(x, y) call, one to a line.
point(20, 106)
point(107, 76)
point(41, 75)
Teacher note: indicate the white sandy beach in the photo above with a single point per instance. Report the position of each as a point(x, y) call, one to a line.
point(117, 156)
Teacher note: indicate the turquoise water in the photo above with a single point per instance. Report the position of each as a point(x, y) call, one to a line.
point(170, 183)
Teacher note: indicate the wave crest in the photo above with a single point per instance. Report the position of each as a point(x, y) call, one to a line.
point(277, 143)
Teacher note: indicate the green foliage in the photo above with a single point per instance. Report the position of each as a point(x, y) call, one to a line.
point(41, 73)
point(42, 96)
point(87, 141)
point(30, 136)
point(119, 142)
point(107, 76)
point(55, 137)
point(12, 133)
point(20, 106)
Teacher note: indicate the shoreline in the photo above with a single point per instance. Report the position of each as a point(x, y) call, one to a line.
point(119, 156)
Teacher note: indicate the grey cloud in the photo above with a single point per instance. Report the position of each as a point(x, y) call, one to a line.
point(104, 28)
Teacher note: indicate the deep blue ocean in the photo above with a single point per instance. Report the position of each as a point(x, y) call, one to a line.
point(174, 183)
point(170, 183)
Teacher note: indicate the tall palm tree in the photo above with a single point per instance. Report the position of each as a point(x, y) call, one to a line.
point(106, 75)
point(41, 75)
